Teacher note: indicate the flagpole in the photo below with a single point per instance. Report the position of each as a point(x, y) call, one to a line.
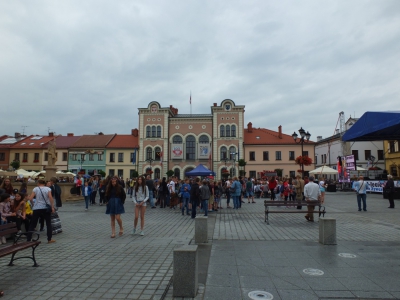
point(190, 103)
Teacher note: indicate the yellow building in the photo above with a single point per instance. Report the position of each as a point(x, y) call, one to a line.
point(392, 157)
point(121, 155)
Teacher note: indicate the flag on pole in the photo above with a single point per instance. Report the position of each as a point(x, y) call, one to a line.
point(209, 157)
point(238, 151)
point(190, 97)
point(161, 154)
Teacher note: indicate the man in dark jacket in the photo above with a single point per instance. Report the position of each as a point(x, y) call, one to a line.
point(389, 187)
point(195, 196)
point(56, 192)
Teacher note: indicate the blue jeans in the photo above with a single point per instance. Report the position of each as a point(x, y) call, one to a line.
point(236, 202)
point(87, 199)
point(185, 203)
point(205, 207)
point(228, 197)
point(151, 198)
point(362, 197)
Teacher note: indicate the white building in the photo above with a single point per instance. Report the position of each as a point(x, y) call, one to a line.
point(328, 149)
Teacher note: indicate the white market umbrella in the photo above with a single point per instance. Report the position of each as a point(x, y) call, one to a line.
point(323, 170)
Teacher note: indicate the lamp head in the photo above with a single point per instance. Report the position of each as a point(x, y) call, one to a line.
point(308, 135)
point(294, 135)
point(302, 132)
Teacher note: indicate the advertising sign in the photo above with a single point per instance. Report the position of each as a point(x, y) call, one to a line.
point(204, 151)
point(376, 186)
point(344, 165)
point(177, 151)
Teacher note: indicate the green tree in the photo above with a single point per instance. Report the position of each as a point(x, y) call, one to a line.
point(15, 164)
point(170, 173)
point(279, 172)
point(242, 162)
point(134, 174)
point(102, 173)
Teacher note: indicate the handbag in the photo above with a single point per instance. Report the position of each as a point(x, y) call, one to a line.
point(48, 206)
point(360, 188)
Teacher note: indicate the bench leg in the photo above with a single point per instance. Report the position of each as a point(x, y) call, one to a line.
point(12, 259)
point(33, 256)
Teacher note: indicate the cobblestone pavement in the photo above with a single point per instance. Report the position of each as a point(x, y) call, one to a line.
point(85, 263)
point(246, 254)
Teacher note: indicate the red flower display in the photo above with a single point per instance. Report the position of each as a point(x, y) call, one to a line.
point(303, 160)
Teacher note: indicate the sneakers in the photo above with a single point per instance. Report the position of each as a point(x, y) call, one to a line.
point(142, 233)
point(86, 209)
point(3, 240)
point(51, 242)
point(134, 231)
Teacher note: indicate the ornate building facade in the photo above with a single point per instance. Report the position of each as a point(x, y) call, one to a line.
point(180, 142)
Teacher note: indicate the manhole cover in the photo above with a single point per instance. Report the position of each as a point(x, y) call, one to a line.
point(260, 295)
point(347, 255)
point(313, 272)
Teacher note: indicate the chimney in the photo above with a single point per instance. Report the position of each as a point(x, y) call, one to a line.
point(250, 127)
point(280, 131)
point(319, 138)
point(51, 133)
point(135, 132)
point(215, 104)
point(17, 135)
point(70, 134)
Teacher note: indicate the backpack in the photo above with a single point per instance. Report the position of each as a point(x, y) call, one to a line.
point(205, 192)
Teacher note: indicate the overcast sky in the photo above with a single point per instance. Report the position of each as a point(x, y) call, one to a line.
point(86, 66)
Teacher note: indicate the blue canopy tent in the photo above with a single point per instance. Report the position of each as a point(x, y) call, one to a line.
point(375, 126)
point(200, 170)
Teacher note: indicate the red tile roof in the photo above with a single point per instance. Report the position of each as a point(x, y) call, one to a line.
point(93, 141)
point(124, 141)
point(9, 141)
point(32, 142)
point(263, 136)
point(64, 142)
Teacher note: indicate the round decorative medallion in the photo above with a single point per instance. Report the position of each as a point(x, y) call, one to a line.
point(153, 119)
point(222, 118)
point(204, 126)
point(190, 127)
point(148, 119)
point(233, 118)
point(159, 119)
point(313, 272)
point(177, 127)
point(227, 118)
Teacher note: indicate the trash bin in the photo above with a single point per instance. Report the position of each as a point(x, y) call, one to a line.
point(331, 188)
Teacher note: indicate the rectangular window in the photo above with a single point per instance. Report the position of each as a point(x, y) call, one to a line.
point(132, 157)
point(367, 154)
point(120, 157)
point(265, 155)
point(380, 155)
point(252, 155)
point(253, 174)
point(393, 170)
point(222, 131)
point(2, 156)
point(291, 155)
point(16, 156)
point(292, 174)
point(75, 157)
point(91, 157)
point(305, 153)
point(112, 157)
point(46, 156)
point(82, 157)
point(25, 157)
point(111, 172)
point(278, 155)
point(233, 131)
point(324, 158)
point(158, 131)
point(316, 159)
point(355, 153)
point(36, 157)
point(120, 173)
point(99, 157)
point(148, 131)
point(65, 156)
point(391, 146)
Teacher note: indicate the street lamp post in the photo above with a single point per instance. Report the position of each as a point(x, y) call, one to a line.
point(150, 160)
point(233, 155)
point(304, 138)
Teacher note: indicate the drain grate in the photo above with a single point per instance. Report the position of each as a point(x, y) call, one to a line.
point(256, 295)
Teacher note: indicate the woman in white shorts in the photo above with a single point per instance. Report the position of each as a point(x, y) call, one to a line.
point(140, 197)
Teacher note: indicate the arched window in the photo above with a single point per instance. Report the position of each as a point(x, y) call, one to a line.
point(190, 147)
point(177, 139)
point(157, 173)
point(203, 139)
point(223, 153)
point(177, 173)
point(188, 170)
point(158, 131)
point(153, 131)
point(149, 153)
point(232, 153)
point(228, 130)
point(233, 130)
point(148, 131)
point(157, 152)
point(222, 131)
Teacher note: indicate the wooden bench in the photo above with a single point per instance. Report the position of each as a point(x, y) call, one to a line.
point(18, 245)
point(268, 203)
